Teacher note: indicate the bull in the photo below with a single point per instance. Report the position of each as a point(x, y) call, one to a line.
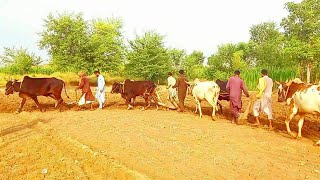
point(130, 89)
point(205, 91)
point(223, 95)
point(302, 99)
point(34, 87)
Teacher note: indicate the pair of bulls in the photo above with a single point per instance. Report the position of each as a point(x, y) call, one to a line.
point(201, 91)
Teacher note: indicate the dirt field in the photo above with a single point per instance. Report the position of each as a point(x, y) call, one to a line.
point(116, 143)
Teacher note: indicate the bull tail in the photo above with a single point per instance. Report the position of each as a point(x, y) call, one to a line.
point(65, 90)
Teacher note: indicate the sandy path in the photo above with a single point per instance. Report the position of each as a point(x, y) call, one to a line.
point(154, 144)
point(119, 144)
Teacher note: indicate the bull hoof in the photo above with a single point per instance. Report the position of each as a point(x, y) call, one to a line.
point(142, 109)
point(292, 134)
point(213, 118)
point(298, 137)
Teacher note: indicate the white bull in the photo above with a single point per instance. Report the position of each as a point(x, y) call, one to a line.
point(303, 99)
point(208, 91)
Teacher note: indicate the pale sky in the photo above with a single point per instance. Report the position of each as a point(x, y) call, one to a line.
point(187, 24)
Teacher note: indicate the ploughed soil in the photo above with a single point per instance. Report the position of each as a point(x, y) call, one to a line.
point(117, 143)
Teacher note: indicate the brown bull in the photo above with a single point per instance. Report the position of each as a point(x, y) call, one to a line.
point(129, 90)
point(34, 87)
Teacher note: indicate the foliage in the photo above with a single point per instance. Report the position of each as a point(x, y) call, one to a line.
point(19, 61)
point(252, 75)
point(74, 44)
point(177, 58)
point(148, 58)
point(302, 32)
point(228, 58)
point(193, 65)
point(266, 45)
point(66, 39)
point(107, 45)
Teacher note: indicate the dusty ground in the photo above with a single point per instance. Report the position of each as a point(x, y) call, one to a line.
point(117, 143)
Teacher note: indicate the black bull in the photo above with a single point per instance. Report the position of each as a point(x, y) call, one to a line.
point(224, 95)
point(129, 90)
point(34, 87)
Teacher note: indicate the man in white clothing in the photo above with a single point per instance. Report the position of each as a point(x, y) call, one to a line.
point(100, 94)
point(172, 91)
point(264, 102)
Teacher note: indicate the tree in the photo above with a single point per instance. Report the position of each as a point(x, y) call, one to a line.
point(266, 45)
point(147, 57)
point(302, 32)
point(228, 58)
point(177, 58)
point(66, 39)
point(19, 60)
point(107, 44)
point(193, 64)
point(222, 60)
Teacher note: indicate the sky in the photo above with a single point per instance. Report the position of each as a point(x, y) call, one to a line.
point(186, 24)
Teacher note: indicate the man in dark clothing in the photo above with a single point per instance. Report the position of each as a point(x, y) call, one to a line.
point(182, 89)
point(235, 87)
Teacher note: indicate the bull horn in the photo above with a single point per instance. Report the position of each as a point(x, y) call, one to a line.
point(288, 83)
point(297, 80)
point(277, 83)
point(190, 83)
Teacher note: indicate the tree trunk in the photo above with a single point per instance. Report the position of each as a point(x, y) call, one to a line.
point(308, 72)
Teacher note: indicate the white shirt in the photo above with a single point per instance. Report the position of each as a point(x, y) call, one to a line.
point(269, 85)
point(171, 82)
point(101, 82)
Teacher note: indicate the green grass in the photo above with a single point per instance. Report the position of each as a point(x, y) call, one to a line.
point(251, 76)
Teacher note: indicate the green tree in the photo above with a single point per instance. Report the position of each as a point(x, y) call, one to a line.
point(222, 60)
point(177, 58)
point(66, 39)
point(302, 32)
point(19, 60)
point(266, 45)
point(228, 58)
point(148, 58)
point(193, 65)
point(107, 44)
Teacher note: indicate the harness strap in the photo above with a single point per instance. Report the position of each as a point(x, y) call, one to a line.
point(285, 97)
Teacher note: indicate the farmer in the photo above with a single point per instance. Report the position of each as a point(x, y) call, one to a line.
point(182, 89)
point(172, 91)
point(264, 102)
point(86, 96)
point(235, 87)
point(100, 94)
